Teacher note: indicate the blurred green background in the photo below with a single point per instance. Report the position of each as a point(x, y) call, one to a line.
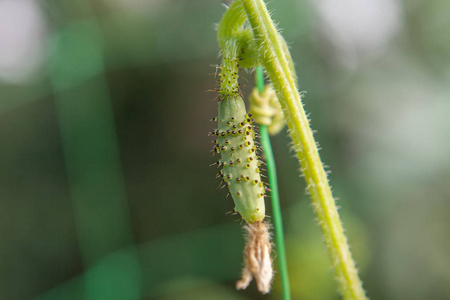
point(105, 189)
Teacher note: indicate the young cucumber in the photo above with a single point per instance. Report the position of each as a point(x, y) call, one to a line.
point(241, 166)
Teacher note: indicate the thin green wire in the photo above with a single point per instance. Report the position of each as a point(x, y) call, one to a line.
point(277, 220)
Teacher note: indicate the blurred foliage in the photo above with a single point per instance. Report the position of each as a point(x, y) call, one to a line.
point(133, 76)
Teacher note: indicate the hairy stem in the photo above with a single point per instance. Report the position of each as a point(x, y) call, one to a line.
point(276, 59)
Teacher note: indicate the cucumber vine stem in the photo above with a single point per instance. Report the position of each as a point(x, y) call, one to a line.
point(275, 57)
point(274, 195)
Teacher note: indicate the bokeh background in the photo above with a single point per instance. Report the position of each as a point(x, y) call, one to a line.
point(105, 189)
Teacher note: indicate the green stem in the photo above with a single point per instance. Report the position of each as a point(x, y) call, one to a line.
point(273, 182)
point(259, 76)
point(278, 65)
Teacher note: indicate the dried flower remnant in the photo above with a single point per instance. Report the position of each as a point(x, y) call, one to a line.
point(258, 263)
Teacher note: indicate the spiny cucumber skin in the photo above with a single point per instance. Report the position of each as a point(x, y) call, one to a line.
point(235, 141)
point(240, 163)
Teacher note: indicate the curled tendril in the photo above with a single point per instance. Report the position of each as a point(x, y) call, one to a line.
point(266, 109)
